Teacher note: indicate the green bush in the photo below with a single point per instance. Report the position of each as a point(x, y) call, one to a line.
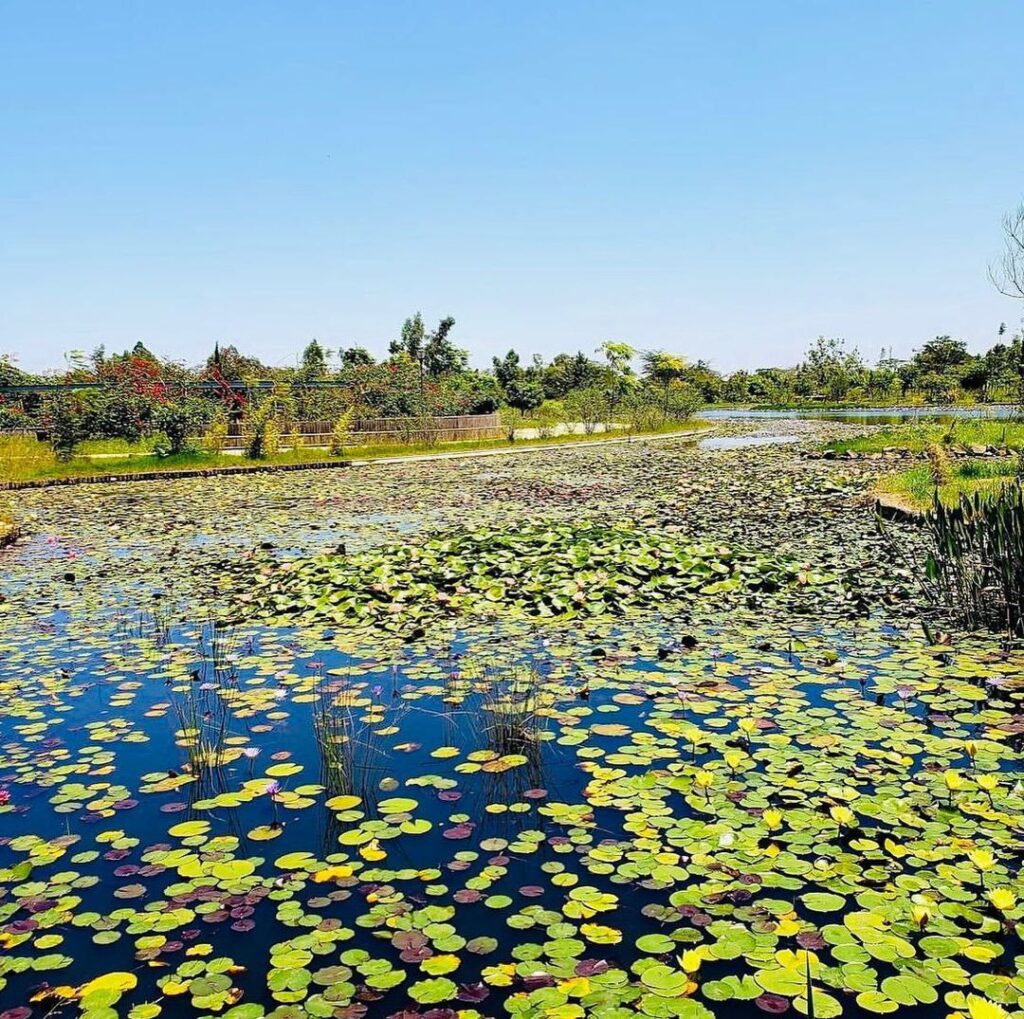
point(340, 434)
point(264, 433)
point(66, 429)
point(179, 421)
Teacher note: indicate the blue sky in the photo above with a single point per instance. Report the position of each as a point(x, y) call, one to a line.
point(722, 179)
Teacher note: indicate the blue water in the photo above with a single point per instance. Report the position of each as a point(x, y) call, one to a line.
point(865, 415)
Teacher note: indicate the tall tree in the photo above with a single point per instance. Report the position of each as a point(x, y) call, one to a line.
point(433, 352)
point(412, 339)
point(440, 355)
point(314, 361)
point(507, 368)
point(664, 369)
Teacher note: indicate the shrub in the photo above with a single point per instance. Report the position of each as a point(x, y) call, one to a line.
point(548, 419)
point(642, 413)
point(178, 421)
point(938, 462)
point(588, 407)
point(264, 434)
point(115, 414)
point(683, 402)
point(216, 435)
point(65, 427)
point(340, 434)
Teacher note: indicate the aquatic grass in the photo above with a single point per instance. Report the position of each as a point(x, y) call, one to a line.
point(201, 700)
point(333, 726)
point(973, 570)
point(23, 457)
point(514, 710)
point(350, 746)
point(31, 460)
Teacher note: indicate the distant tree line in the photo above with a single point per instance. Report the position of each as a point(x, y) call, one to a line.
point(425, 374)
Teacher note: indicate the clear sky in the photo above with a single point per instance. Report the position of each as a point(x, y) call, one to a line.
point(722, 179)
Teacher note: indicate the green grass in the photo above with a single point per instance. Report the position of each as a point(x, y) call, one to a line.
point(918, 437)
point(141, 448)
point(30, 460)
point(916, 486)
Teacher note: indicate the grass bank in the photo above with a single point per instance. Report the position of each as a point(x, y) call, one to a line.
point(915, 488)
point(29, 460)
point(916, 438)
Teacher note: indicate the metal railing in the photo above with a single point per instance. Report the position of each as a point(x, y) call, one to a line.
point(385, 430)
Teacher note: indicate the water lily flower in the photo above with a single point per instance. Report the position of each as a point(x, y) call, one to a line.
point(843, 816)
point(691, 959)
point(733, 759)
point(954, 782)
point(920, 913)
point(989, 783)
point(971, 749)
point(338, 872)
point(272, 788)
point(704, 780)
point(983, 860)
point(772, 818)
point(251, 753)
point(748, 726)
point(1003, 899)
point(982, 1008)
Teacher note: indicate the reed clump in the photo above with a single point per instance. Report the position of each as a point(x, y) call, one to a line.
point(975, 563)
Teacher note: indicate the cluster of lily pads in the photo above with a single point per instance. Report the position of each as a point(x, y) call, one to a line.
point(754, 812)
point(535, 569)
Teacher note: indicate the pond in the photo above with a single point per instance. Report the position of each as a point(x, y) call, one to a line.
point(865, 415)
point(649, 729)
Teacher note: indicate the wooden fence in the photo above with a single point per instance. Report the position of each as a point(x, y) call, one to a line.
point(386, 431)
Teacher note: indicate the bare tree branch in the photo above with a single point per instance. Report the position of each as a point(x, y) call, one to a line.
point(1007, 274)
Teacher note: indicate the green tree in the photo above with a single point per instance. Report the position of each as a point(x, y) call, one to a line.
point(440, 355)
point(620, 363)
point(570, 371)
point(234, 365)
point(524, 393)
point(314, 361)
point(619, 356)
point(664, 369)
point(830, 370)
point(587, 407)
point(354, 357)
point(506, 369)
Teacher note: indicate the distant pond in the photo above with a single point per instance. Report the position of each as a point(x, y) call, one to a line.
point(864, 415)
